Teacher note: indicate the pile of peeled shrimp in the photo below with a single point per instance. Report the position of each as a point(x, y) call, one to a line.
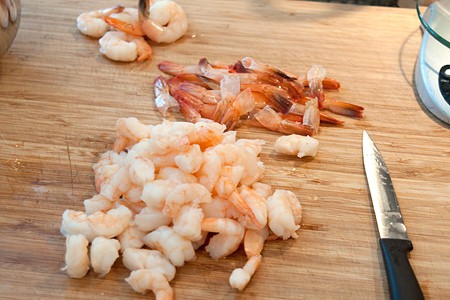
point(262, 95)
point(166, 190)
point(124, 32)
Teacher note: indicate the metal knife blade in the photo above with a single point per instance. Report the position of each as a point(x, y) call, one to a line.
point(387, 211)
point(394, 241)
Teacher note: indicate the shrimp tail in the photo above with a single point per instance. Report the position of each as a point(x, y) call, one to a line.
point(344, 108)
point(186, 107)
point(328, 83)
point(129, 28)
point(238, 202)
point(252, 64)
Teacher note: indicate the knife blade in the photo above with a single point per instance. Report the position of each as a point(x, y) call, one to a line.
point(394, 241)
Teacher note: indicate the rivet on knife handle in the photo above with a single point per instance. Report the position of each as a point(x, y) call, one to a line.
point(402, 282)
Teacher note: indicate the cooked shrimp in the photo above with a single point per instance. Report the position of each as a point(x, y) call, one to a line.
point(131, 237)
point(97, 203)
point(187, 193)
point(111, 224)
point(147, 279)
point(76, 222)
point(229, 178)
point(163, 21)
point(297, 145)
point(129, 131)
point(116, 182)
point(254, 241)
point(133, 195)
point(265, 190)
point(209, 171)
point(257, 204)
point(164, 101)
point(103, 254)
point(141, 169)
point(92, 23)
point(219, 208)
point(239, 155)
point(135, 259)
point(230, 235)
point(240, 277)
point(191, 160)
point(101, 169)
point(188, 221)
point(119, 46)
point(156, 191)
point(149, 219)
point(284, 212)
point(176, 248)
point(77, 259)
point(175, 174)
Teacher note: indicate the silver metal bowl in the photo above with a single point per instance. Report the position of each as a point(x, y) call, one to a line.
point(9, 23)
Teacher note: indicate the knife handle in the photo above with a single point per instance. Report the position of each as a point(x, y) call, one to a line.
point(402, 282)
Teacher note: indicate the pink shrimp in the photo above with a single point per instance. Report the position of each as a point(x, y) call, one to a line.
point(269, 119)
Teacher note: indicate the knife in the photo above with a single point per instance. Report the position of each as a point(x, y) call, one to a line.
point(394, 241)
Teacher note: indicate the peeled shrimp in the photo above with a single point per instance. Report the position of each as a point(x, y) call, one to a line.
point(77, 259)
point(176, 175)
point(97, 203)
point(208, 173)
point(178, 249)
point(163, 21)
point(229, 178)
point(156, 191)
point(76, 222)
point(240, 277)
point(119, 46)
point(111, 224)
point(150, 218)
point(284, 212)
point(143, 280)
point(191, 160)
point(103, 254)
point(135, 259)
point(141, 169)
point(92, 23)
point(230, 235)
point(257, 204)
point(131, 238)
point(183, 194)
point(297, 145)
point(183, 205)
point(129, 131)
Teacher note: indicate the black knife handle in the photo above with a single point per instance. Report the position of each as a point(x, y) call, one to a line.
point(402, 282)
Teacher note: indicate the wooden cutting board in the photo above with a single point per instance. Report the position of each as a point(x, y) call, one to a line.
point(60, 98)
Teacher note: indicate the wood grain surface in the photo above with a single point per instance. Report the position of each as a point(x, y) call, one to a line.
point(60, 98)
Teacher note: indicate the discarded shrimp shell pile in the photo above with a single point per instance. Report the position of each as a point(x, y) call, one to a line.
point(162, 190)
point(249, 89)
